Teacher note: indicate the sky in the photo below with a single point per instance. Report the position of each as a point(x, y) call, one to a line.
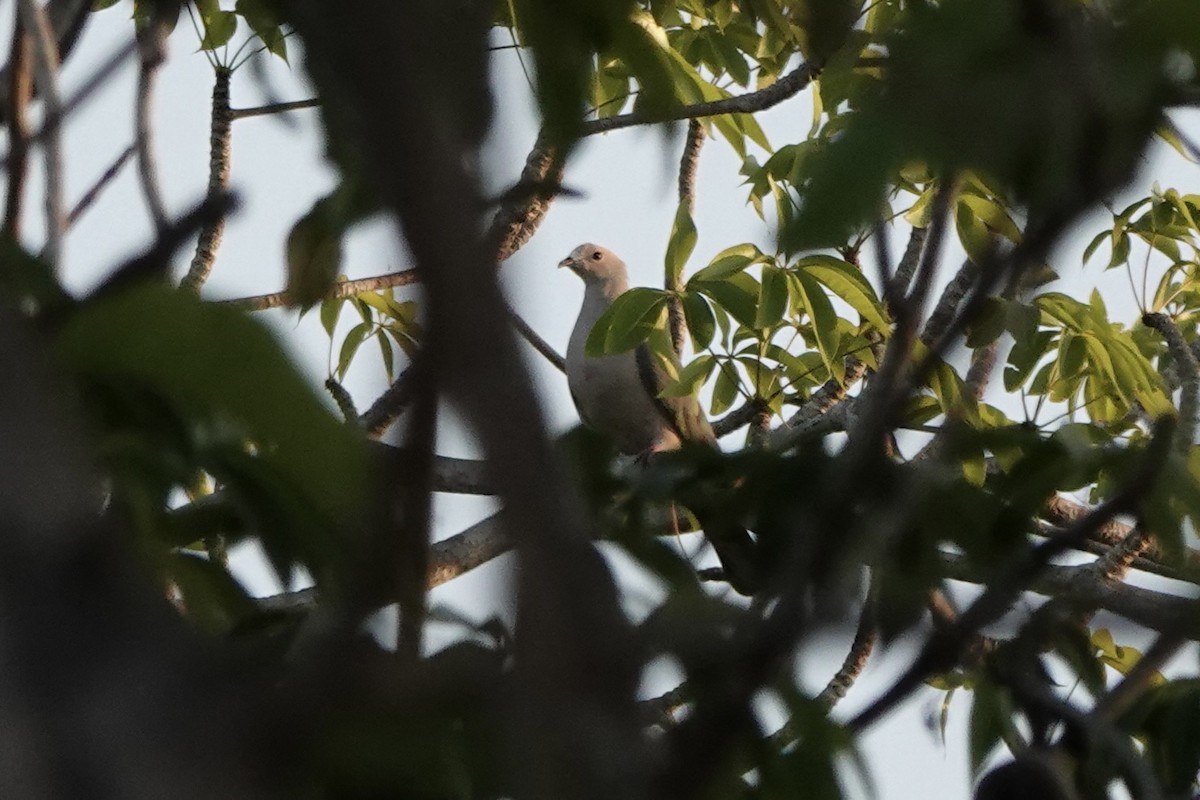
point(626, 186)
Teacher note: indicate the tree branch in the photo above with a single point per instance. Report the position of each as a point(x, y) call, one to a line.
point(152, 52)
point(91, 195)
point(262, 302)
point(689, 162)
point(220, 131)
point(942, 649)
point(273, 108)
point(45, 73)
point(20, 90)
point(786, 87)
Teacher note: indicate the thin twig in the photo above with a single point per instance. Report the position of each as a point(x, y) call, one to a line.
point(52, 122)
point(45, 72)
point(893, 380)
point(262, 302)
point(273, 108)
point(537, 342)
point(91, 195)
point(786, 87)
point(152, 51)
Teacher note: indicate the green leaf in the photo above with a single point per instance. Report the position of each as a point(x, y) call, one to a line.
point(331, 309)
point(991, 710)
point(314, 252)
point(700, 322)
point(205, 356)
point(824, 320)
point(219, 26)
point(691, 377)
point(627, 322)
point(725, 390)
point(992, 215)
point(729, 261)
point(1097, 240)
point(213, 600)
point(847, 283)
point(262, 19)
point(736, 294)
point(680, 245)
point(354, 339)
point(773, 297)
point(385, 350)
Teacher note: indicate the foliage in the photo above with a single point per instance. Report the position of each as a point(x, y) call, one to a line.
point(981, 131)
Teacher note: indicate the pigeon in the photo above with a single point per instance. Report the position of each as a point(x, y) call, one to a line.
point(620, 396)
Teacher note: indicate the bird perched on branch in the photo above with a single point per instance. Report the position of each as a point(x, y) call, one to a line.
point(620, 395)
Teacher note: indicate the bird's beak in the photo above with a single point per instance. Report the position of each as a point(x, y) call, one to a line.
point(570, 263)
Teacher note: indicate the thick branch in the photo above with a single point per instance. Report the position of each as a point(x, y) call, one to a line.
point(220, 129)
point(1188, 372)
point(1080, 586)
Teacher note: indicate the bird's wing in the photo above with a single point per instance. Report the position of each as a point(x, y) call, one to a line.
point(683, 414)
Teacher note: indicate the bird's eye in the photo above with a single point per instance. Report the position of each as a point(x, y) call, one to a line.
point(596, 256)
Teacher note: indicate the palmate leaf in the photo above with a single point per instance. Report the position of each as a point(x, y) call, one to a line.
point(628, 322)
point(824, 320)
point(848, 284)
point(219, 26)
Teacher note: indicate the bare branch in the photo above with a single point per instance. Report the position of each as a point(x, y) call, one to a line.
point(52, 122)
point(45, 73)
point(1188, 372)
point(908, 263)
point(824, 412)
point(952, 296)
point(1061, 511)
point(262, 302)
point(152, 51)
point(388, 407)
point(92, 194)
point(537, 342)
point(448, 559)
point(523, 208)
point(273, 108)
point(20, 89)
point(855, 662)
point(689, 162)
point(786, 87)
point(218, 182)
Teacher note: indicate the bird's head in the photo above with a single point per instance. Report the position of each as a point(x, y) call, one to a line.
point(595, 264)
